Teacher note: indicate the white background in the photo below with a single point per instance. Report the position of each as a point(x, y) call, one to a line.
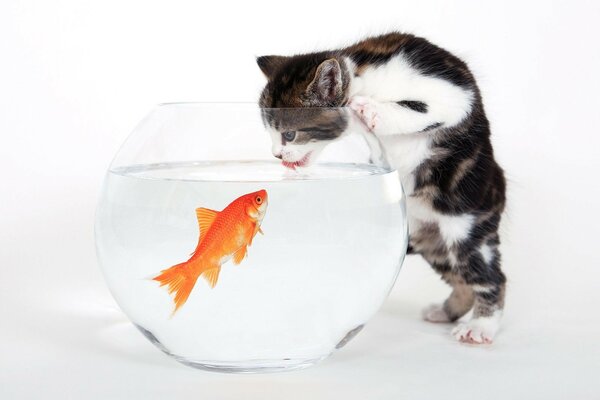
point(76, 76)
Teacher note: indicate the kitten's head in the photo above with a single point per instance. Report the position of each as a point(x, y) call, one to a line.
point(299, 103)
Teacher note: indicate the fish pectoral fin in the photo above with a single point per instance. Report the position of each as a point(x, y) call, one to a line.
point(256, 230)
point(212, 276)
point(239, 255)
point(205, 217)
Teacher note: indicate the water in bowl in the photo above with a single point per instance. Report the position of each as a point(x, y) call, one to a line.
point(333, 242)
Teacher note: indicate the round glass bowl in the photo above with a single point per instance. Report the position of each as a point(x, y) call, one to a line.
point(242, 239)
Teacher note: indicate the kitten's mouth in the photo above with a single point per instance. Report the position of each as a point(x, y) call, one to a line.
point(298, 163)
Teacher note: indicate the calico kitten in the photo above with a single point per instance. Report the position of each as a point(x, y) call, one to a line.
point(425, 107)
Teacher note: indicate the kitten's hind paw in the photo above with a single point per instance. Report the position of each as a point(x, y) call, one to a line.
point(435, 313)
point(365, 110)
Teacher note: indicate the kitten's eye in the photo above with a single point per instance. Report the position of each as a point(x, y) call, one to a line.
point(258, 200)
point(289, 135)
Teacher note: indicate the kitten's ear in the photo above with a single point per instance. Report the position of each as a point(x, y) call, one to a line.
point(327, 83)
point(269, 64)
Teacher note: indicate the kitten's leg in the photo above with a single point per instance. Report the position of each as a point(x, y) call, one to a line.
point(456, 305)
point(405, 117)
point(487, 281)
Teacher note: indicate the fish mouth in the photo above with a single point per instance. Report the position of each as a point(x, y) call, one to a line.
point(298, 163)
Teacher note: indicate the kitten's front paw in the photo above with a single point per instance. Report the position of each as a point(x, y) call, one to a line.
point(435, 313)
point(366, 111)
point(477, 331)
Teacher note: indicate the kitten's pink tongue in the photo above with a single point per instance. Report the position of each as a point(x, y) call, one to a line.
point(300, 163)
point(290, 165)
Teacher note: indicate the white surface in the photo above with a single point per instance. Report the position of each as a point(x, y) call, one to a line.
point(75, 77)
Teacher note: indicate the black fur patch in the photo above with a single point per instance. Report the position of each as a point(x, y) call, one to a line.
point(432, 126)
point(414, 105)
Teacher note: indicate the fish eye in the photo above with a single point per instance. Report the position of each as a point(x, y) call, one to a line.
point(258, 199)
point(289, 135)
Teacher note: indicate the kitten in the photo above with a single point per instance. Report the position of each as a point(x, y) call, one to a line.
point(425, 107)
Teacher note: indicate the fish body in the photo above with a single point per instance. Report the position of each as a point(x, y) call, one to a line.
point(223, 235)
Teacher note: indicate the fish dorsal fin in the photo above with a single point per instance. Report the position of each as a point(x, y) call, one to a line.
point(205, 217)
point(212, 276)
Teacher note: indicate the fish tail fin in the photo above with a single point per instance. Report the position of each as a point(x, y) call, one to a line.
point(180, 280)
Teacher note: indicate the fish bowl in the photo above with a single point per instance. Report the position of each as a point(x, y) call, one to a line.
point(241, 239)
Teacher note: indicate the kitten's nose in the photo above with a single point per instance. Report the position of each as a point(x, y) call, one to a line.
point(277, 150)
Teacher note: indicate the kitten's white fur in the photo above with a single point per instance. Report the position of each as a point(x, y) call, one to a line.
point(407, 152)
point(486, 253)
point(481, 288)
point(379, 88)
point(453, 228)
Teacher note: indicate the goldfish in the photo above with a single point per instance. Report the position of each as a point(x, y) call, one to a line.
point(224, 235)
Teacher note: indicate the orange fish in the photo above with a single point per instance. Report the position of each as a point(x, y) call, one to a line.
point(223, 235)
